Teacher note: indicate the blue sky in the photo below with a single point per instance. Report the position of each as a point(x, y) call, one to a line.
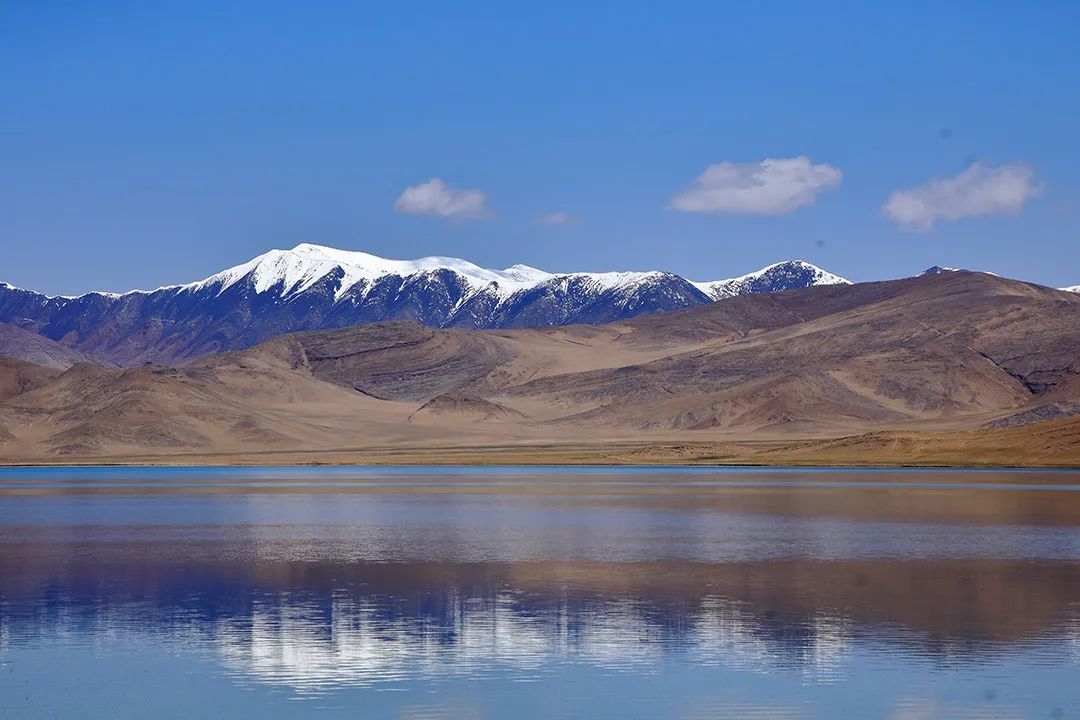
point(149, 143)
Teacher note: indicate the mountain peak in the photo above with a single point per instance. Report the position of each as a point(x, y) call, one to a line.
point(311, 247)
point(938, 270)
point(301, 267)
point(784, 275)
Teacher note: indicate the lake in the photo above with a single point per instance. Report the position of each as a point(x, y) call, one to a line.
point(538, 593)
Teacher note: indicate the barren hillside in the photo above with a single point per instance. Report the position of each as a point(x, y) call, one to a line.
point(880, 364)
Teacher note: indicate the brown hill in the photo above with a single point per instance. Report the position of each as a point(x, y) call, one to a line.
point(37, 349)
point(957, 349)
point(940, 354)
point(465, 408)
point(18, 377)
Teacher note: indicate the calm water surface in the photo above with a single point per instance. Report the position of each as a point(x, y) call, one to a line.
point(481, 593)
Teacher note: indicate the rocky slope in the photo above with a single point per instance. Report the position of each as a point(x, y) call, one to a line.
point(33, 348)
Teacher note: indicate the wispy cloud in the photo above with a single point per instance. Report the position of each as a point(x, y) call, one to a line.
point(435, 197)
point(774, 186)
point(980, 190)
point(558, 217)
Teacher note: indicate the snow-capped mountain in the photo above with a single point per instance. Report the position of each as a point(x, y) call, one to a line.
point(1074, 288)
point(937, 270)
point(773, 278)
point(311, 287)
point(299, 269)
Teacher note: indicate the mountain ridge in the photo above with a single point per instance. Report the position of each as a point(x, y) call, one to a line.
point(824, 374)
point(311, 287)
point(304, 264)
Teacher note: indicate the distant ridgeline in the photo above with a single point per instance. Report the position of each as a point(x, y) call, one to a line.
point(314, 288)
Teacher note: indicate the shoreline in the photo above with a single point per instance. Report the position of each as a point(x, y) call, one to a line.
point(1052, 444)
point(645, 456)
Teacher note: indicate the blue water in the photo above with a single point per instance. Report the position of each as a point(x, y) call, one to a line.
point(525, 592)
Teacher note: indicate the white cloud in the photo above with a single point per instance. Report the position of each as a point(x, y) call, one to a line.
point(558, 217)
point(979, 190)
point(773, 186)
point(435, 197)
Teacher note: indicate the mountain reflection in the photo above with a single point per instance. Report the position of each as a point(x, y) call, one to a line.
point(322, 624)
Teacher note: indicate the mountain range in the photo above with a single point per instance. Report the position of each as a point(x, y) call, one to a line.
point(311, 287)
point(944, 368)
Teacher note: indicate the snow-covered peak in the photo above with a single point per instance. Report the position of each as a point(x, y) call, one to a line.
point(1073, 289)
point(304, 265)
point(938, 270)
point(787, 275)
point(611, 280)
